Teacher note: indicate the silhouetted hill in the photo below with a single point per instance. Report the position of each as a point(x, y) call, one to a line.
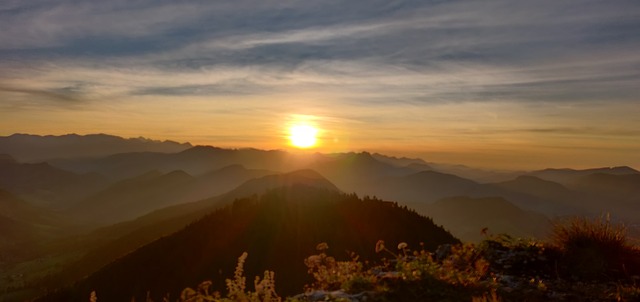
point(355, 172)
point(476, 174)
point(250, 187)
point(618, 195)
point(572, 201)
point(621, 186)
point(278, 230)
point(195, 161)
point(425, 187)
point(136, 196)
point(225, 179)
point(569, 176)
point(33, 148)
point(527, 192)
point(43, 184)
point(465, 217)
point(194, 210)
point(538, 187)
point(109, 243)
point(420, 189)
point(594, 192)
point(131, 198)
point(400, 161)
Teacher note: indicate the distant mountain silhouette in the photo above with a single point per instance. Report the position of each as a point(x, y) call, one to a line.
point(425, 186)
point(355, 172)
point(131, 198)
point(226, 179)
point(538, 187)
point(194, 210)
point(618, 195)
point(569, 176)
point(36, 148)
point(465, 217)
point(195, 161)
point(618, 186)
point(400, 161)
point(475, 174)
point(420, 189)
point(44, 184)
point(109, 243)
point(566, 201)
point(137, 196)
point(65, 208)
point(278, 230)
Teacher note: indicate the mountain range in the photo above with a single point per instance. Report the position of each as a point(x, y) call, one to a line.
point(87, 213)
point(275, 229)
point(36, 148)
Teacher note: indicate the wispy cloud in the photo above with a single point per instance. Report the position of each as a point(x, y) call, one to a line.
point(395, 62)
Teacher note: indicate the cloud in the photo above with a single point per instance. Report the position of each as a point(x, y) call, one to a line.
point(26, 98)
point(446, 65)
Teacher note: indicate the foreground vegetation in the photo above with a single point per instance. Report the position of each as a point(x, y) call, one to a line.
point(587, 260)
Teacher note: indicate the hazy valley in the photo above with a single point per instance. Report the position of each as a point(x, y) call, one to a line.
point(151, 209)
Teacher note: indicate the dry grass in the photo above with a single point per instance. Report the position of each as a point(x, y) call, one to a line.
point(596, 248)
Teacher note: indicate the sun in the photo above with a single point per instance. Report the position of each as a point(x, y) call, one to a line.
point(302, 135)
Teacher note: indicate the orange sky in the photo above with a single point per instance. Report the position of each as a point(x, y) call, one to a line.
point(491, 84)
point(499, 135)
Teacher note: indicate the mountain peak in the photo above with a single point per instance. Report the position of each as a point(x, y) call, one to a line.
point(308, 173)
point(305, 177)
point(33, 148)
point(278, 228)
point(201, 149)
point(533, 180)
point(177, 175)
point(624, 170)
point(400, 161)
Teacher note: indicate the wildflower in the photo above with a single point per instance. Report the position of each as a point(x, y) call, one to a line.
point(314, 260)
point(204, 287)
point(322, 246)
point(187, 294)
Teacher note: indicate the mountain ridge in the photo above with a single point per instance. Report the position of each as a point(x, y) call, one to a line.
point(278, 229)
point(33, 148)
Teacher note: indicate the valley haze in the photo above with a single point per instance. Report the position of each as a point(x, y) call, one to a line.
point(95, 205)
point(401, 150)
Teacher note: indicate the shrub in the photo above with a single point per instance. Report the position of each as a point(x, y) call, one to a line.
point(596, 249)
point(330, 274)
point(264, 288)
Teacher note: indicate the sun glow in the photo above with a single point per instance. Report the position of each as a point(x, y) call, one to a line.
point(302, 135)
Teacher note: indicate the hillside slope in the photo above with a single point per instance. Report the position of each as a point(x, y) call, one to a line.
point(109, 243)
point(465, 217)
point(278, 230)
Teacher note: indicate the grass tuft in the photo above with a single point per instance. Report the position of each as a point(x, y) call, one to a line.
point(596, 248)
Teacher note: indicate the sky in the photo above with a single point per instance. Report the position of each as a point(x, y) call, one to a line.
point(495, 83)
